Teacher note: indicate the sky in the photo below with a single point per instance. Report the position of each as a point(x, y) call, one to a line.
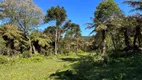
point(79, 11)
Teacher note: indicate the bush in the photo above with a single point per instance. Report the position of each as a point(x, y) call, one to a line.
point(37, 58)
point(116, 53)
point(3, 59)
point(48, 52)
point(26, 54)
point(72, 53)
point(80, 52)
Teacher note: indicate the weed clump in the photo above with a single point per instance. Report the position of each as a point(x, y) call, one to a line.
point(3, 59)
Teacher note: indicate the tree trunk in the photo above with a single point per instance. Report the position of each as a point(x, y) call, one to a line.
point(40, 49)
point(127, 43)
point(113, 41)
point(56, 41)
point(34, 49)
point(134, 42)
point(139, 40)
point(8, 49)
point(103, 45)
point(135, 37)
point(69, 47)
point(139, 36)
point(77, 46)
point(21, 48)
point(30, 45)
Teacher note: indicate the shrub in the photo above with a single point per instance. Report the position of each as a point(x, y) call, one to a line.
point(26, 54)
point(72, 53)
point(49, 52)
point(116, 54)
point(37, 58)
point(80, 52)
point(3, 59)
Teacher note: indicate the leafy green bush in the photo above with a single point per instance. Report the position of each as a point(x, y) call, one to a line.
point(37, 58)
point(72, 53)
point(2, 46)
point(49, 51)
point(3, 59)
point(80, 52)
point(26, 54)
point(116, 53)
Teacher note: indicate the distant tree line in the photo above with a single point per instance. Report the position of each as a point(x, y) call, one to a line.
point(19, 33)
point(114, 30)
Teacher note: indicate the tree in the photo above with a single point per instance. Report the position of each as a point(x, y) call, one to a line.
point(50, 30)
point(137, 26)
point(106, 10)
point(23, 13)
point(136, 4)
point(12, 35)
point(57, 14)
point(72, 33)
point(39, 41)
point(72, 29)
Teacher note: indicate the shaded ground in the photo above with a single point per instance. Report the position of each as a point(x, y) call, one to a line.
point(116, 69)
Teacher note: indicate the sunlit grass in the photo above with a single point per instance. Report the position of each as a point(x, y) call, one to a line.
point(26, 69)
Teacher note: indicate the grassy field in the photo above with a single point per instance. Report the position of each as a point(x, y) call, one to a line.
point(72, 68)
point(28, 69)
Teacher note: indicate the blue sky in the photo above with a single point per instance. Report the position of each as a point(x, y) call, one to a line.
point(79, 11)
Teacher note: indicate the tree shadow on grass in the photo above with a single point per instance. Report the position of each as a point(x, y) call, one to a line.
point(64, 75)
point(70, 59)
point(117, 69)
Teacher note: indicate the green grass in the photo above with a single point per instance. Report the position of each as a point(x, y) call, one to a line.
point(26, 69)
point(72, 67)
